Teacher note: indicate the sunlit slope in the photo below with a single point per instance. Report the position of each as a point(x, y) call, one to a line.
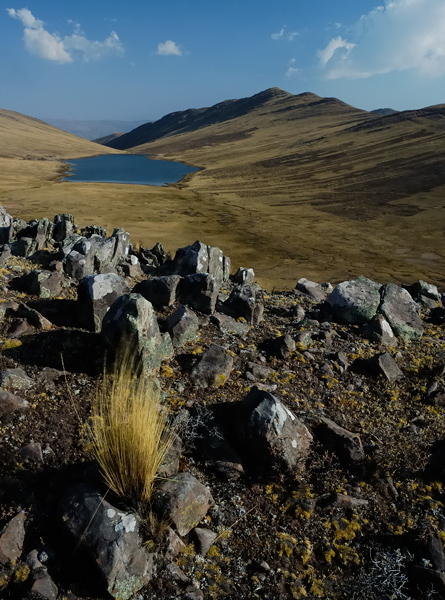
point(28, 138)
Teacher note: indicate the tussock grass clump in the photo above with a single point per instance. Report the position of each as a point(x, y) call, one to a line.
point(130, 433)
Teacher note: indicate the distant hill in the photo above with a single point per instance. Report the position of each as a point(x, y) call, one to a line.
point(25, 137)
point(384, 111)
point(108, 138)
point(91, 130)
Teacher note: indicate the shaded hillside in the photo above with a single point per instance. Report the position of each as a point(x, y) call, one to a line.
point(108, 138)
point(25, 137)
point(196, 118)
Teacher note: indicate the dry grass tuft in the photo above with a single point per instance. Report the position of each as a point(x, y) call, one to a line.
point(130, 433)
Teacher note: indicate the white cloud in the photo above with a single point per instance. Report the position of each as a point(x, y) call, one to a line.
point(283, 35)
point(402, 35)
point(291, 72)
point(51, 46)
point(169, 48)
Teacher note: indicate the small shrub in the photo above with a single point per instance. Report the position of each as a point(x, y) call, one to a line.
point(129, 432)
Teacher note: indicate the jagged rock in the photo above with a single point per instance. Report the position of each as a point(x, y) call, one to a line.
point(5, 253)
point(176, 574)
point(383, 364)
point(244, 276)
point(174, 544)
point(258, 371)
point(304, 338)
point(131, 325)
point(182, 326)
point(244, 303)
point(312, 290)
point(103, 250)
point(199, 258)
point(199, 291)
point(282, 346)
point(6, 226)
point(132, 267)
point(32, 452)
point(183, 501)
point(160, 291)
point(111, 537)
point(80, 261)
point(63, 226)
point(401, 312)
point(340, 360)
point(159, 252)
point(422, 292)
point(347, 445)
point(16, 379)
point(91, 230)
point(43, 586)
point(12, 538)
point(170, 464)
point(122, 247)
point(24, 247)
point(44, 284)
point(17, 328)
point(33, 317)
point(297, 313)
point(270, 432)
point(229, 325)
point(96, 293)
point(10, 403)
point(67, 244)
point(203, 539)
point(379, 330)
point(213, 369)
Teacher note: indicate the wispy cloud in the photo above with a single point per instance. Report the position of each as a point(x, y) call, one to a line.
point(403, 34)
point(51, 46)
point(169, 48)
point(283, 35)
point(291, 72)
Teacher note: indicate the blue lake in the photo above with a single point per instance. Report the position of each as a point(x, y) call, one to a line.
point(127, 168)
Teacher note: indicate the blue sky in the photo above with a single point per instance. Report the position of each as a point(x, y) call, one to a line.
point(140, 59)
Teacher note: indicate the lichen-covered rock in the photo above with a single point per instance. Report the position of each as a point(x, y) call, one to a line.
point(401, 312)
point(42, 283)
point(271, 432)
point(355, 301)
point(213, 369)
point(229, 325)
point(182, 326)
point(111, 537)
point(183, 501)
point(131, 326)
point(96, 293)
point(15, 379)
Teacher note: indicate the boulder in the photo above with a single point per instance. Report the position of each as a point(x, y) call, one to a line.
point(425, 293)
point(122, 247)
point(111, 537)
point(401, 312)
point(43, 586)
point(182, 501)
point(104, 250)
point(182, 326)
point(199, 291)
point(199, 258)
point(311, 290)
point(270, 432)
point(203, 539)
point(6, 226)
point(282, 346)
point(244, 303)
point(160, 291)
point(80, 260)
point(11, 539)
point(383, 364)
point(355, 301)
point(213, 369)
point(130, 325)
point(41, 283)
point(96, 293)
point(63, 226)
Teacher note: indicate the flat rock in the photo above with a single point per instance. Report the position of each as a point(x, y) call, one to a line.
point(213, 369)
point(15, 379)
point(183, 501)
point(312, 290)
point(12, 538)
point(229, 325)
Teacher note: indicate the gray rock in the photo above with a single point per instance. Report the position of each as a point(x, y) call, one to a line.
point(131, 325)
point(80, 261)
point(199, 291)
point(271, 433)
point(258, 371)
point(111, 537)
point(312, 290)
point(90, 230)
point(63, 226)
point(421, 291)
point(160, 291)
point(96, 293)
point(355, 301)
point(16, 379)
point(244, 302)
point(182, 326)
point(183, 501)
point(23, 247)
point(11, 539)
point(348, 445)
point(229, 325)
point(33, 317)
point(5, 253)
point(67, 244)
point(104, 250)
point(379, 330)
point(214, 368)
point(282, 346)
point(346, 502)
point(5, 218)
point(384, 364)
point(170, 464)
point(401, 312)
point(122, 247)
point(199, 258)
point(43, 233)
point(41, 283)
point(10, 403)
point(174, 544)
point(203, 539)
point(43, 586)
point(244, 276)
